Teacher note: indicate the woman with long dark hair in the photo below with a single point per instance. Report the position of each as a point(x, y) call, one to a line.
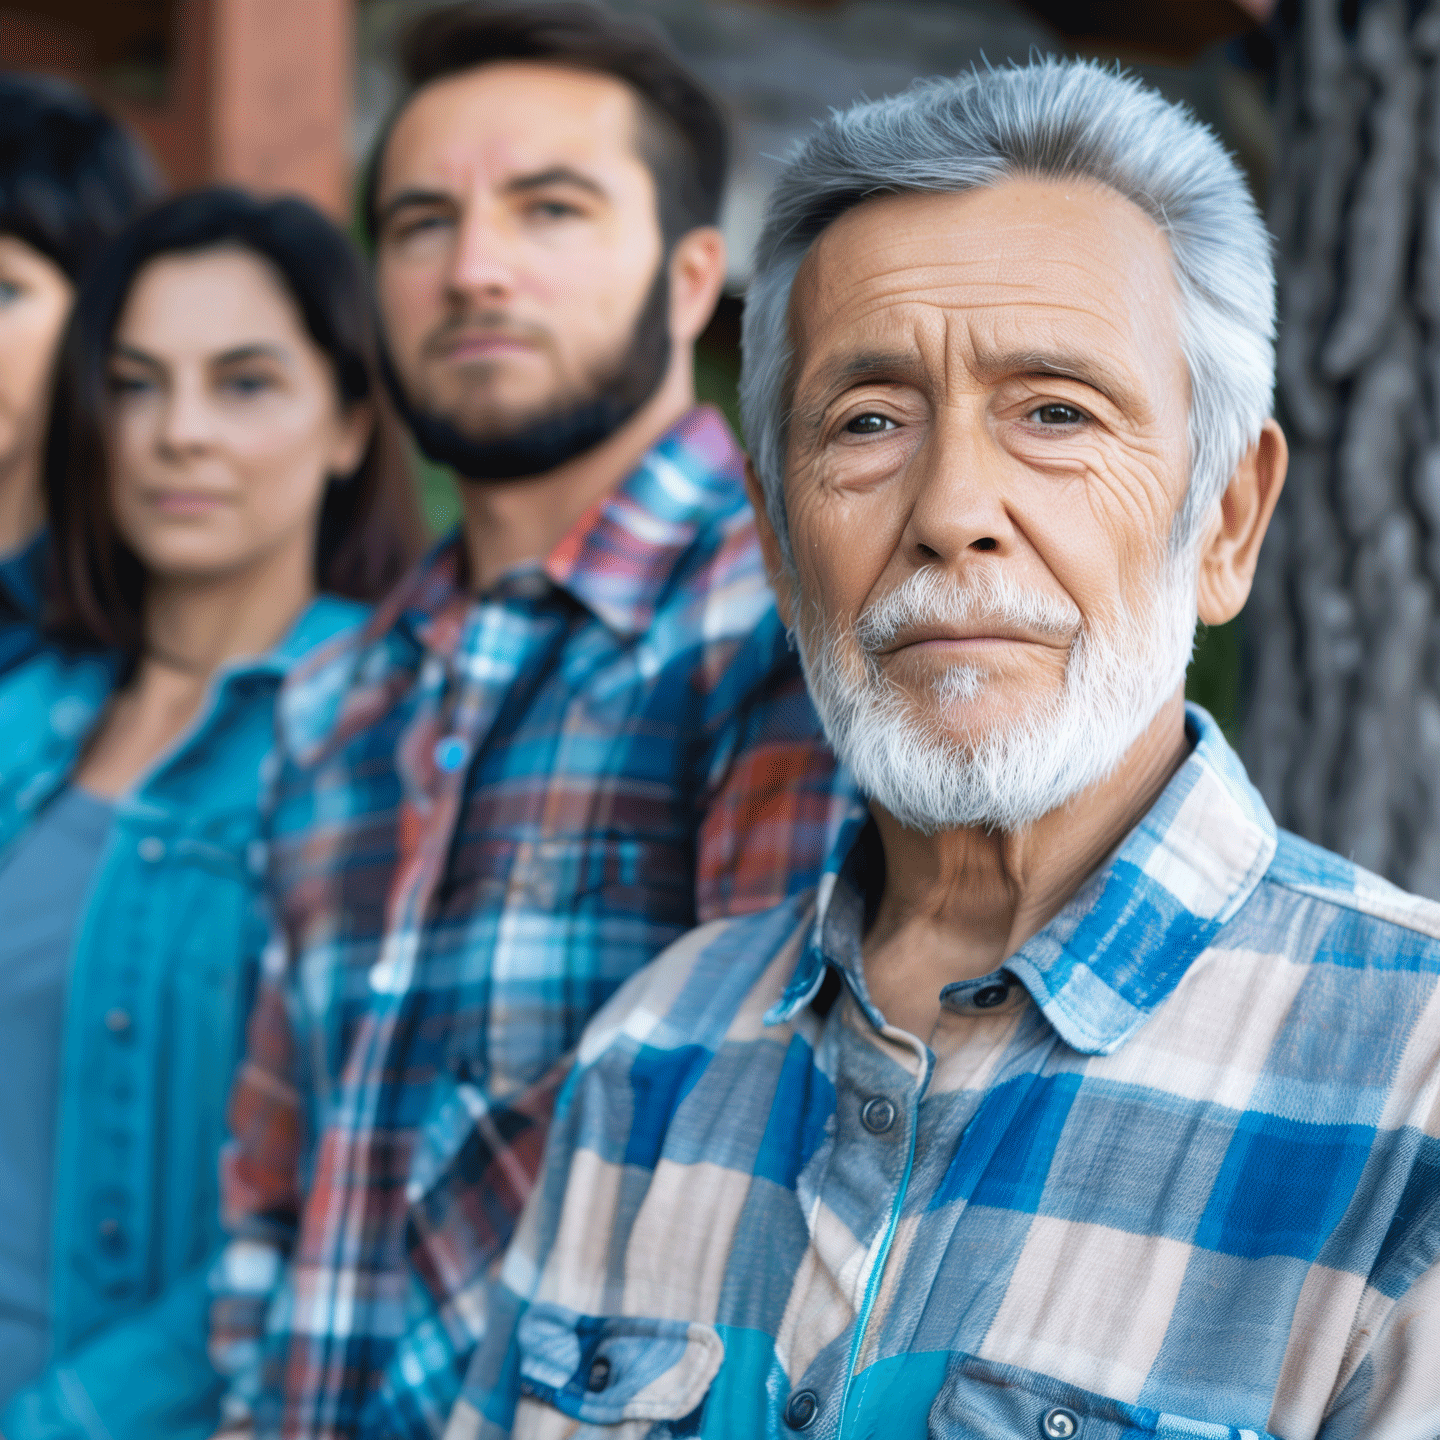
point(223, 496)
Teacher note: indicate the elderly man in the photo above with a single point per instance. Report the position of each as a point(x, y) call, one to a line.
point(1078, 1102)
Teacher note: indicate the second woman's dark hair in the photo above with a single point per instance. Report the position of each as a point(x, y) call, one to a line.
point(369, 528)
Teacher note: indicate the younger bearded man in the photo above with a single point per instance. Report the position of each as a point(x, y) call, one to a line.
point(574, 733)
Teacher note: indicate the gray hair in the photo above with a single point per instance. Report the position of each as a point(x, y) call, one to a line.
point(1052, 119)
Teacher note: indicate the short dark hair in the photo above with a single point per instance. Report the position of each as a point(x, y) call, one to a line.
point(369, 528)
point(684, 138)
point(70, 176)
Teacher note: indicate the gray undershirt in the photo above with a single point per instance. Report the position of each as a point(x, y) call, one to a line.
point(43, 883)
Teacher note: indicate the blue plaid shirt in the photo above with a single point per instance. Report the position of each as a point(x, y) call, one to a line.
point(1171, 1171)
point(489, 812)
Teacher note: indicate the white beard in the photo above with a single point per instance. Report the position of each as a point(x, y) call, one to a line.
point(1115, 684)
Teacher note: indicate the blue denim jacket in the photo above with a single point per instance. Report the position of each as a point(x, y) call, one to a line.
point(160, 980)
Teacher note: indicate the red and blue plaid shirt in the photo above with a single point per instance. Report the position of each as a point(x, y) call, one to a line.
point(487, 814)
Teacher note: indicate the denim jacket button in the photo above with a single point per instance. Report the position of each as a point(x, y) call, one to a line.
point(599, 1376)
point(1059, 1424)
point(117, 1021)
point(151, 849)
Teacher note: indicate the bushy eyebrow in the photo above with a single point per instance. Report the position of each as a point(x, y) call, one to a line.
point(903, 366)
point(1083, 368)
point(838, 375)
point(417, 197)
point(557, 175)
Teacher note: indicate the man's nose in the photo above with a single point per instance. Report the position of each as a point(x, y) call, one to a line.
point(483, 265)
point(957, 491)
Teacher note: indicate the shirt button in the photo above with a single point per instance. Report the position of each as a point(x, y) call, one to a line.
point(599, 1376)
point(801, 1410)
point(110, 1232)
point(117, 1021)
point(451, 753)
point(877, 1115)
point(1059, 1424)
point(987, 998)
point(151, 849)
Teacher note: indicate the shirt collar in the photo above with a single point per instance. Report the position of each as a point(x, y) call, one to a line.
point(324, 618)
point(1122, 942)
point(619, 557)
point(617, 560)
point(79, 686)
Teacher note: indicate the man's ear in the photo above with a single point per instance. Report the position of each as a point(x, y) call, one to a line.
point(697, 271)
point(1232, 543)
point(781, 578)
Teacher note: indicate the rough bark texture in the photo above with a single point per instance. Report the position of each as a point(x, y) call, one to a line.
point(1342, 716)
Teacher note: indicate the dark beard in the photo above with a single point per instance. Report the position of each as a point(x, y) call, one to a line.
point(545, 444)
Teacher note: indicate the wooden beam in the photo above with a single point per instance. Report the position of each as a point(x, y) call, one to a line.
point(281, 97)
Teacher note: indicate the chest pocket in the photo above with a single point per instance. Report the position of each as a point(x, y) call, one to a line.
point(552, 929)
point(984, 1401)
point(623, 1377)
point(651, 877)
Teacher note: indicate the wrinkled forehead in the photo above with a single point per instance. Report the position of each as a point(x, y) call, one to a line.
point(1026, 265)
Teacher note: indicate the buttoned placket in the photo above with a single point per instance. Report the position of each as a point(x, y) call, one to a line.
point(112, 1036)
point(460, 699)
point(502, 639)
point(880, 1082)
point(115, 1021)
point(887, 1116)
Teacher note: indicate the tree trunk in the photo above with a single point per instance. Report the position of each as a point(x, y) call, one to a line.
point(1342, 690)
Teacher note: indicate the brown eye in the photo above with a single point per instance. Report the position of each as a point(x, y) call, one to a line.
point(245, 385)
point(120, 385)
point(869, 425)
point(1058, 415)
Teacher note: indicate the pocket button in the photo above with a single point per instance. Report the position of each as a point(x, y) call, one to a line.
point(801, 1410)
point(877, 1115)
point(1059, 1424)
point(599, 1376)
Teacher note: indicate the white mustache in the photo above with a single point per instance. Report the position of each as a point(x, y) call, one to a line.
point(928, 598)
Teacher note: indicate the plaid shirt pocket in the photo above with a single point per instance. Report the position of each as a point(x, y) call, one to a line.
point(620, 1370)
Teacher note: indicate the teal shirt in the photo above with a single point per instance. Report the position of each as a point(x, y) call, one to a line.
point(161, 973)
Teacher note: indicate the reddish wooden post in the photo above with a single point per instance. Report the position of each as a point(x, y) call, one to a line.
point(281, 95)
